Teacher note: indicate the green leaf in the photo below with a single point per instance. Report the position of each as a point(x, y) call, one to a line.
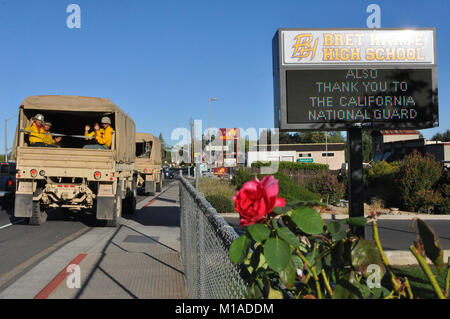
point(355, 221)
point(275, 223)
point(431, 245)
point(277, 253)
point(281, 210)
point(364, 254)
point(336, 231)
point(308, 220)
point(339, 236)
point(363, 289)
point(275, 294)
point(254, 292)
point(334, 227)
point(376, 292)
point(303, 248)
point(294, 202)
point(256, 260)
point(288, 236)
point(297, 262)
point(239, 249)
point(287, 276)
point(345, 290)
point(259, 232)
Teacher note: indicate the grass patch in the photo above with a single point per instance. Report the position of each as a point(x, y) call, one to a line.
point(420, 285)
point(219, 193)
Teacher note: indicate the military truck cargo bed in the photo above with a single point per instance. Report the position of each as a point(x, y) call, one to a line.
point(64, 158)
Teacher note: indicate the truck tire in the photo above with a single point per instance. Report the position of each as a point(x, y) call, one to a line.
point(129, 204)
point(39, 216)
point(149, 188)
point(158, 186)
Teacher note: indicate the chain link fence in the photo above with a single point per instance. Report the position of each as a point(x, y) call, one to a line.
point(205, 240)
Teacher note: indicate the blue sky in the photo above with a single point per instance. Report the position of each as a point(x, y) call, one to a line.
point(160, 61)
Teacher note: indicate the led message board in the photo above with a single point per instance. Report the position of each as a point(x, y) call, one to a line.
point(337, 79)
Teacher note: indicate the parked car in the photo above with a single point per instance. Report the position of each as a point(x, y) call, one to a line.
point(168, 173)
point(7, 182)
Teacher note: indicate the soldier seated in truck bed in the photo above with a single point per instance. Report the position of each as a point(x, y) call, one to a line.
point(103, 136)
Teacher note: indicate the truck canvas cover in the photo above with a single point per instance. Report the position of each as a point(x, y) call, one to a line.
point(155, 156)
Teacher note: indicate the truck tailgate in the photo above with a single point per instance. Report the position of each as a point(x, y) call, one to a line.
point(64, 158)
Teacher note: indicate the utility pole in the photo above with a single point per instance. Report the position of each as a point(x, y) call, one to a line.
point(6, 137)
point(191, 124)
point(326, 146)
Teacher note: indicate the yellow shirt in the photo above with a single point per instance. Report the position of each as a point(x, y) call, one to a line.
point(36, 135)
point(48, 139)
point(104, 136)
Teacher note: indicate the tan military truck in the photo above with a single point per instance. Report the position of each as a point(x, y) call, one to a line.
point(148, 163)
point(71, 175)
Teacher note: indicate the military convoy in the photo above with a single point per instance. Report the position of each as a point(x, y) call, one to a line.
point(149, 163)
point(74, 175)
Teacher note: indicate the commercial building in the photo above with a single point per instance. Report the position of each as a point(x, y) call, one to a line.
point(393, 145)
point(332, 154)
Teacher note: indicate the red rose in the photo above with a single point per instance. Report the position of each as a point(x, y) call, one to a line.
point(256, 199)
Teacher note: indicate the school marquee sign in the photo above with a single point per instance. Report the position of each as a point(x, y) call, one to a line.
point(341, 78)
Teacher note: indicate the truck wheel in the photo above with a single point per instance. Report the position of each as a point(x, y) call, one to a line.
point(129, 205)
point(39, 216)
point(150, 188)
point(117, 213)
point(159, 185)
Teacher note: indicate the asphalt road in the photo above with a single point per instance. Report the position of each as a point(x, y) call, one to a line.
point(394, 234)
point(397, 234)
point(22, 246)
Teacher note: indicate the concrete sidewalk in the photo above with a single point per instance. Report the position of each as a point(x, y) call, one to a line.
point(140, 259)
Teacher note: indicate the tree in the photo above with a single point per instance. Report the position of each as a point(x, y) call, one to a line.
point(442, 137)
point(335, 137)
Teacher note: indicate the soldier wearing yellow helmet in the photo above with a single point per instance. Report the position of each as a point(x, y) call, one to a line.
point(103, 136)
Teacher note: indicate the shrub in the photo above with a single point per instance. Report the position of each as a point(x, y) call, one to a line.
point(221, 203)
point(328, 186)
point(216, 186)
point(417, 173)
point(381, 169)
point(443, 187)
point(288, 189)
point(380, 183)
point(293, 165)
point(427, 199)
point(291, 191)
point(241, 176)
point(219, 193)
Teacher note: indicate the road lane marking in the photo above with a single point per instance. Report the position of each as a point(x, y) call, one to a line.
point(10, 224)
point(47, 291)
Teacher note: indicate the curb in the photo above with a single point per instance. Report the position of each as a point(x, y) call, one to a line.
point(393, 217)
point(382, 217)
point(405, 258)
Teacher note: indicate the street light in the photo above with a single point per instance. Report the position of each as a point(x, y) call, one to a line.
point(210, 99)
point(6, 137)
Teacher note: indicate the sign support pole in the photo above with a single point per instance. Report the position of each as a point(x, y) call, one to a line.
point(355, 178)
